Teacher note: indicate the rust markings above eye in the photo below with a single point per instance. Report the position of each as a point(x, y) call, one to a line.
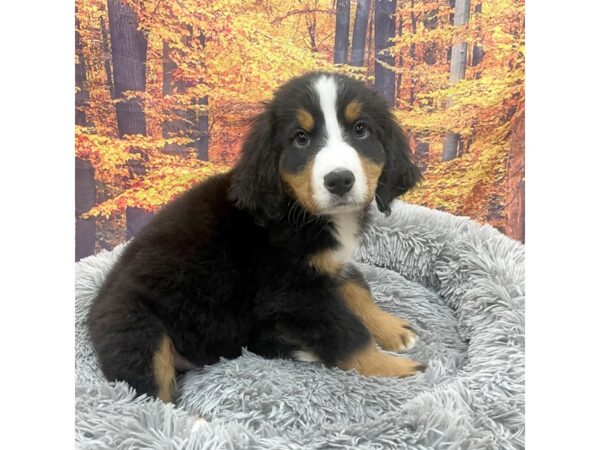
point(306, 120)
point(352, 111)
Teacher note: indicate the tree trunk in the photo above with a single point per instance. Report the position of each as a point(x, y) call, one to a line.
point(85, 185)
point(81, 94)
point(477, 55)
point(85, 199)
point(477, 49)
point(370, 46)
point(172, 127)
point(450, 146)
point(458, 65)
point(202, 136)
point(342, 30)
point(168, 68)
point(128, 47)
point(515, 206)
point(190, 123)
point(400, 63)
point(430, 22)
point(359, 33)
point(106, 58)
point(451, 4)
point(413, 54)
point(385, 27)
point(422, 154)
point(311, 28)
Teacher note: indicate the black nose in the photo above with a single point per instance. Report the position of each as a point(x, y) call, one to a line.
point(339, 182)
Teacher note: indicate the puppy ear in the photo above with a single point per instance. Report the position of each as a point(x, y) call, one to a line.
point(255, 183)
point(399, 172)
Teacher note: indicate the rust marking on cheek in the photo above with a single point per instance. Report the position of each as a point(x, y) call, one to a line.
point(299, 186)
point(373, 172)
point(306, 120)
point(352, 111)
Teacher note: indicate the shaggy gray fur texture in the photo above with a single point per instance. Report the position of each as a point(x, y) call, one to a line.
point(461, 285)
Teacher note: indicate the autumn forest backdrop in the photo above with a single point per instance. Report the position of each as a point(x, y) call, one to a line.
point(164, 91)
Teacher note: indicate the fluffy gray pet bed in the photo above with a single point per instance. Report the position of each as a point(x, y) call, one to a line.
point(461, 285)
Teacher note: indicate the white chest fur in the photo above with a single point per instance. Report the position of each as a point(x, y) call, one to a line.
point(346, 233)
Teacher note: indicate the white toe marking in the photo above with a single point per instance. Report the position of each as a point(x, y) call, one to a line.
point(199, 423)
point(412, 340)
point(305, 356)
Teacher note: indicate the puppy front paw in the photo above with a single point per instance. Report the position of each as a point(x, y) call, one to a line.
point(373, 362)
point(393, 333)
point(395, 366)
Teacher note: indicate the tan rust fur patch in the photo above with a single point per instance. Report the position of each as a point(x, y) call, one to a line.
point(299, 186)
point(164, 369)
point(325, 263)
point(373, 172)
point(371, 361)
point(389, 331)
point(306, 120)
point(352, 111)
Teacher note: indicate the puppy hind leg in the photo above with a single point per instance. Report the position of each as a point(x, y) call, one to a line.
point(132, 346)
point(269, 341)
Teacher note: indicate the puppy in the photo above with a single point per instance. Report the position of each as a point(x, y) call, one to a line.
point(260, 257)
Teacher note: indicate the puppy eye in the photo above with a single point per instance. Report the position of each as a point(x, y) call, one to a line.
point(360, 130)
point(301, 139)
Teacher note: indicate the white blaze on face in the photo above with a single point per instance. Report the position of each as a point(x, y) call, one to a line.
point(336, 153)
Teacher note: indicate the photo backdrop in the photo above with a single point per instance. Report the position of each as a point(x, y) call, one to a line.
point(164, 91)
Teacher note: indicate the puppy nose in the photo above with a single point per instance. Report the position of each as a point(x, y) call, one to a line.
point(339, 181)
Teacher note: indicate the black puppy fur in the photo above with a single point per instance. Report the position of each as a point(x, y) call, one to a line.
point(227, 264)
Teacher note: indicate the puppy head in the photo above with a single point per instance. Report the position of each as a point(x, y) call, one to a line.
point(328, 142)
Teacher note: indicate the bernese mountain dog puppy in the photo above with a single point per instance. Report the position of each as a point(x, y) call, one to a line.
point(260, 257)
